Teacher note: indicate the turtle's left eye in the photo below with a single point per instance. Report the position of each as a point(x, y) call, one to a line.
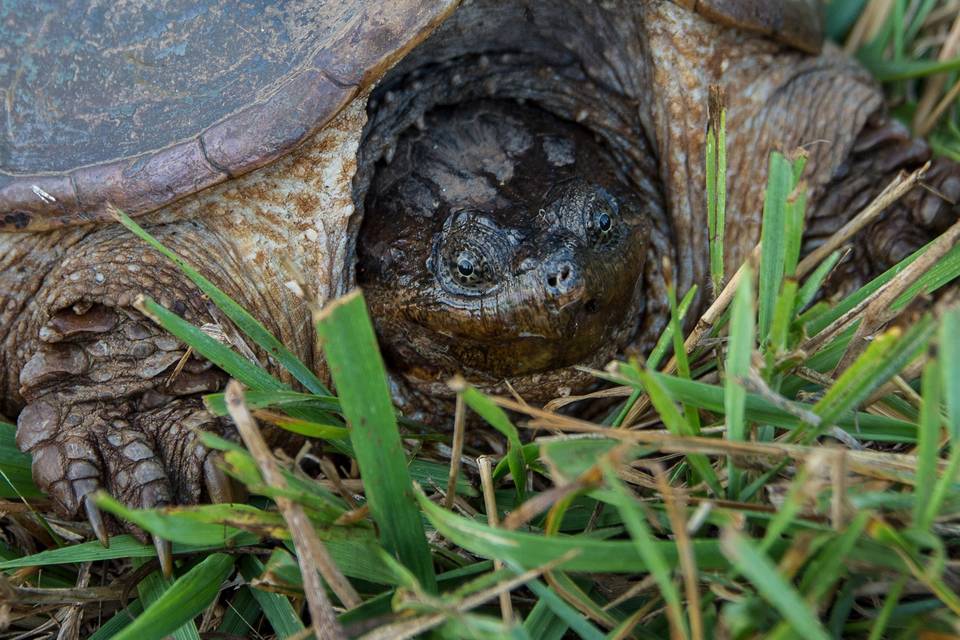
point(604, 222)
point(603, 217)
point(469, 269)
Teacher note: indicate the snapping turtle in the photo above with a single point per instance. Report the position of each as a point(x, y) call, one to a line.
point(505, 194)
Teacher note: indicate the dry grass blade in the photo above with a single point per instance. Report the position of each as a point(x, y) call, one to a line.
point(872, 464)
point(947, 101)
point(704, 324)
point(72, 596)
point(877, 312)
point(490, 504)
point(72, 616)
point(415, 626)
point(898, 187)
point(676, 506)
point(311, 554)
point(838, 478)
point(459, 428)
point(928, 109)
point(868, 25)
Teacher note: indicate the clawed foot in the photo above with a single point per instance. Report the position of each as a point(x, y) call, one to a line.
point(145, 459)
point(108, 408)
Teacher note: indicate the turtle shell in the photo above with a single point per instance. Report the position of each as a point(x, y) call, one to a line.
point(798, 23)
point(140, 104)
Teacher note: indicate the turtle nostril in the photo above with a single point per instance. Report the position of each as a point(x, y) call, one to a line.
point(561, 278)
point(591, 306)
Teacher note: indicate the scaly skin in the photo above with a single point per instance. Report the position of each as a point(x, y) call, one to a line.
point(90, 379)
point(635, 74)
point(101, 406)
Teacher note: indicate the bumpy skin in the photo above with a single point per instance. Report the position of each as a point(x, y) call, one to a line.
point(103, 408)
point(635, 75)
point(93, 380)
point(552, 243)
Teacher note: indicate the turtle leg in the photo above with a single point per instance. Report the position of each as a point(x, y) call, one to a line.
point(884, 148)
point(111, 401)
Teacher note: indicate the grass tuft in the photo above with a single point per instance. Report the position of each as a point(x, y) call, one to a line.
point(791, 471)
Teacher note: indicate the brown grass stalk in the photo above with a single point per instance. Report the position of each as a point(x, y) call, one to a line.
point(490, 504)
point(312, 556)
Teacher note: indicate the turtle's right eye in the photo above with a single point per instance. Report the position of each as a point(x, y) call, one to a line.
point(470, 254)
point(468, 269)
point(602, 216)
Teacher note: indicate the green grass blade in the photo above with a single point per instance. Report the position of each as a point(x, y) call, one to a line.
point(794, 216)
point(645, 544)
point(280, 613)
point(739, 349)
point(680, 353)
point(15, 478)
point(349, 343)
point(944, 485)
point(219, 354)
point(790, 508)
point(893, 70)
point(543, 623)
point(814, 281)
point(150, 589)
point(773, 255)
point(122, 546)
point(830, 565)
point(928, 445)
point(216, 403)
point(241, 614)
point(716, 169)
point(530, 550)
point(677, 424)
point(777, 344)
point(763, 574)
point(949, 349)
point(203, 524)
point(250, 326)
point(120, 619)
point(665, 341)
point(889, 603)
point(497, 418)
point(182, 601)
point(863, 425)
point(886, 355)
point(577, 623)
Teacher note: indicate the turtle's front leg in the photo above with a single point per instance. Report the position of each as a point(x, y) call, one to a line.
point(884, 148)
point(112, 401)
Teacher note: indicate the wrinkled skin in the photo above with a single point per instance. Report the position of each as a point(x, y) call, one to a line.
point(500, 242)
point(91, 379)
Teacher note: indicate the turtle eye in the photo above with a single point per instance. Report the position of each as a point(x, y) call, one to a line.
point(603, 217)
point(470, 253)
point(604, 223)
point(467, 270)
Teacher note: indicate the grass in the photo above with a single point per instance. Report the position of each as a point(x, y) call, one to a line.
point(778, 496)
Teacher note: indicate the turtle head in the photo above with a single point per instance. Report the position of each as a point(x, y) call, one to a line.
point(499, 242)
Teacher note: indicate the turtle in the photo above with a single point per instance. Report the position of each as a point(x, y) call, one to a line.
point(511, 182)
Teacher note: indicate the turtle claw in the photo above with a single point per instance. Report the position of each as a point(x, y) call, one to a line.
point(164, 555)
point(219, 487)
point(95, 518)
